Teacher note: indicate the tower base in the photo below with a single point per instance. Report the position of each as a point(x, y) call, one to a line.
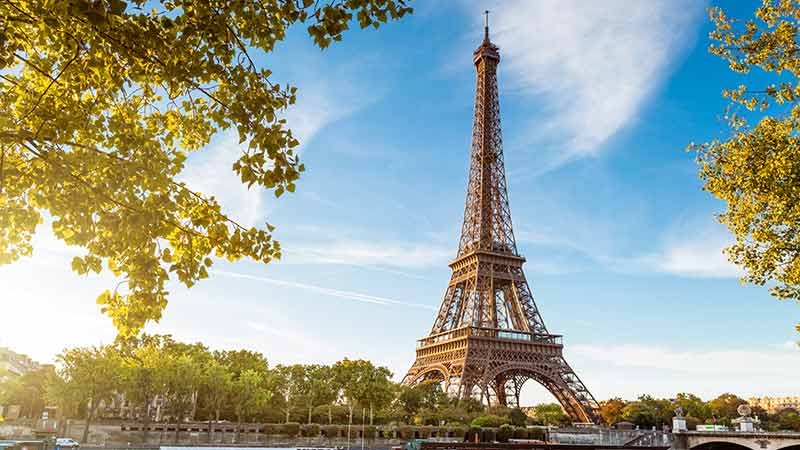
point(493, 364)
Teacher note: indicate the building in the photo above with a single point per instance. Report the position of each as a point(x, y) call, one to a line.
point(15, 364)
point(775, 404)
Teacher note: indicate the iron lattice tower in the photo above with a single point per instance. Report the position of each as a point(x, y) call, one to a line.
point(488, 337)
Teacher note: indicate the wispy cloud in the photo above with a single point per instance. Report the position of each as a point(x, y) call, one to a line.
point(372, 253)
point(693, 247)
point(320, 102)
point(338, 293)
point(588, 66)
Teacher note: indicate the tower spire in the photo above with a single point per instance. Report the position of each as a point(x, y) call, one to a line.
point(486, 27)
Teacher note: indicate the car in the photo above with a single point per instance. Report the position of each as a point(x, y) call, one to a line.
point(67, 443)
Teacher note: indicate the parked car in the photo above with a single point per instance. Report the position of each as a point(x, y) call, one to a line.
point(67, 443)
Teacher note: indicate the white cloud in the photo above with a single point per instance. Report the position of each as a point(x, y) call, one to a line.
point(589, 65)
point(627, 370)
point(694, 248)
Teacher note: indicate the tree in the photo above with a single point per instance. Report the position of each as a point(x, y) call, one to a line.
point(182, 381)
point(518, 417)
point(755, 168)
point(144, 373)
point(102, 101)
point(648, 412)
point(249, 395)
point(319, 388)
point(217, 382)
point(93, 374)
point(364, 384)
point(551, 414)
point(611, 410)
point(289, 383)
point(28, 390)
point(693, 406)
point(724, 407)
point(788, 419)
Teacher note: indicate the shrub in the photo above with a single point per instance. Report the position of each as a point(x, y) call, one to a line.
point(520, 433)
point(474, 434)
point(290, 429)
point(505, 432)
point(271, 429)
point(370, 431)
point(310, 430)
point(489, 421)
point(489, 434)
point(331, 431)
point(405, 433)
point(518, 417)
point(458, 432)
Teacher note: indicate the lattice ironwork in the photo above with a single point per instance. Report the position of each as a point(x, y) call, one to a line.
point(489, 338)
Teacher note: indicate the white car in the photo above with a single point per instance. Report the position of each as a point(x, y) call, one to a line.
point(67, 443)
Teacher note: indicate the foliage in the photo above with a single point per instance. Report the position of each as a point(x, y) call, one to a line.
point(788, 419)
point(551, 414)
point(611, 410)
point(217, 383)
point(310, 430)
point(694, 406)
point(518, 417)
point(92, 375)
point(724, 407)
point(505, 432)
point(30, 391)
point(489, 420)
point(103, 101)
point(754, 169)
point(648, 412)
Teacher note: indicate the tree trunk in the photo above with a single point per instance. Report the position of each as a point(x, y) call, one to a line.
point(330, 414)
point(146, 424)
point(238, 427)
point(310, 407)
point(89, 417)
point(370, 412)
point(194, 406)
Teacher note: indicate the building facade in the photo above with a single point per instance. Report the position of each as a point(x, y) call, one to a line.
point(15, 364)
point(775, 404)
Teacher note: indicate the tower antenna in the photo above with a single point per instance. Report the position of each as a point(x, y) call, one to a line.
point(486, 26)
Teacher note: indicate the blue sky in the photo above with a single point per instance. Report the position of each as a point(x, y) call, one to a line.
point(598, 102)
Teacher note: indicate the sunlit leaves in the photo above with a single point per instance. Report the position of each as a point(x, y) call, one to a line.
point(756, 169)
point(101, 103)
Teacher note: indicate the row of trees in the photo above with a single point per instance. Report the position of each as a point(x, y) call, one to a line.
point(647, 412)
point(156, 377)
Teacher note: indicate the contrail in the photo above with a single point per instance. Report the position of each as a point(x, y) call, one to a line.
point(350, 295)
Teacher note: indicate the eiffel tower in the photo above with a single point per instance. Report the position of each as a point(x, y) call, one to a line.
point(488, 337)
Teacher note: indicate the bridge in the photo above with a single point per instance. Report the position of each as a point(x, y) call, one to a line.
point(735, 440)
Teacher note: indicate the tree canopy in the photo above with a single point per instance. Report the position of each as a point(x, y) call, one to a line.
point(755, 169)
point(101, 102)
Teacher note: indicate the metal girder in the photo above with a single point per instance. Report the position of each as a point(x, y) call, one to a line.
point(489, 338)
